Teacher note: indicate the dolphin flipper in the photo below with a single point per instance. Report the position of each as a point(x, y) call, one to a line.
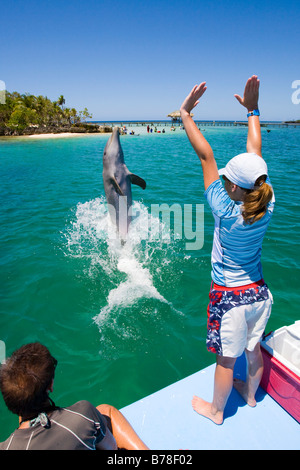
point(138, 181)
point(116, 186)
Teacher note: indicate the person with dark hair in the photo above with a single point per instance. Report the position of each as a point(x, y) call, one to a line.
point(240, 301)
point(26, 379)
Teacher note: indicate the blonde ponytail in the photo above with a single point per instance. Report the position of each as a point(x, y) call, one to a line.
point(256, 201)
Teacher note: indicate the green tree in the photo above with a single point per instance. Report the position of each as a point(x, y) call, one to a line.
point(22, 117)
point(85, 114)
point(61, 101)
point(74, 116)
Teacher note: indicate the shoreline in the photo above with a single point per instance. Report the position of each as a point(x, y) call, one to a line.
point(140, 127)
point(50, 132)
point(53, 135)
point(58, 135)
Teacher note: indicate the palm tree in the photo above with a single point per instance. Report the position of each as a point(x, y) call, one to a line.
point(61, 101)
point(68, 116)
point(74, 116)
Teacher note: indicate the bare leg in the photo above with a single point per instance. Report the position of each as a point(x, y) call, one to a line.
point(222, 389)
point(255, 370)
point(122, 431)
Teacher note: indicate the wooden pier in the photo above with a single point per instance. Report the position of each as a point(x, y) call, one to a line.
point(245, 124)
point(199, 123)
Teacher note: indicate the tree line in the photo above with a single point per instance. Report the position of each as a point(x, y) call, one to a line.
point(21, 112)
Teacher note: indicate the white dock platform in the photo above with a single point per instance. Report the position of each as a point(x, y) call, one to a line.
point(166, 420)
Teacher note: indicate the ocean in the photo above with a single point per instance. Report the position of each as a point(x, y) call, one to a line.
point(125, 321)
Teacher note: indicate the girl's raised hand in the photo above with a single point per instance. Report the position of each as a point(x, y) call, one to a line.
point(193, 98)
point(251, 92)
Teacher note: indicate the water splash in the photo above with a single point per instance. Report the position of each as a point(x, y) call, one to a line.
point(129, 269)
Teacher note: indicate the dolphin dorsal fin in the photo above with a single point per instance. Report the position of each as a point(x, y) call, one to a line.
point(138, 181)
point(116, 186)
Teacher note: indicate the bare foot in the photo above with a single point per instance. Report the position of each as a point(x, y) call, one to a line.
point(204, 408)
point(241, 388)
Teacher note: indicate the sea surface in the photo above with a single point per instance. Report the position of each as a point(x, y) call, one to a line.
point(124, 321)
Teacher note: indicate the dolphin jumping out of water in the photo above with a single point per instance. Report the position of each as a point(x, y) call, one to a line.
point(117, 181)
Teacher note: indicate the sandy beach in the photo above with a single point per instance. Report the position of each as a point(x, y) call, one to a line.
point(56, 136)
point(49, 136)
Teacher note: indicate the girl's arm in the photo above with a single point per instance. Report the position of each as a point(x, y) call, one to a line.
point(199, 143)
point(250, 101)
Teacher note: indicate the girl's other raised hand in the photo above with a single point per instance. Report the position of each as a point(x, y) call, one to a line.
point(251, 93)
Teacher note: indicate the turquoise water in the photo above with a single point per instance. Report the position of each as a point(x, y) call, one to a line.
point(124, 322)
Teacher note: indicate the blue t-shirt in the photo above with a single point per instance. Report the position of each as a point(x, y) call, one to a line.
point(237, 246)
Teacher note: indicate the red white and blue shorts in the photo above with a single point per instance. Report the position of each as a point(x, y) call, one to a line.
point(237, 317)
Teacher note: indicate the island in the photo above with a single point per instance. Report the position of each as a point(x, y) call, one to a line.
point(27, 114)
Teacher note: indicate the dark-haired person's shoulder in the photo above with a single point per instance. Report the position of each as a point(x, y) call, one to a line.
point(4, 444)
point(84, 407)
point(80, 405)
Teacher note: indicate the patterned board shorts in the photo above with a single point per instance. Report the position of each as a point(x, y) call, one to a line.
point(237, 317)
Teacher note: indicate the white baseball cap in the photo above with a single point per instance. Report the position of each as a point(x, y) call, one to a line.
point(244, 169)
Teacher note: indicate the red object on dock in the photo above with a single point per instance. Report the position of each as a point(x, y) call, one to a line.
point(282, 384)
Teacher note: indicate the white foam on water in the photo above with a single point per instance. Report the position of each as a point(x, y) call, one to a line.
point(93, 236)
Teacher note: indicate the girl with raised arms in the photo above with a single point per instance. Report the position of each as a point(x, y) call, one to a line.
point(240, 301)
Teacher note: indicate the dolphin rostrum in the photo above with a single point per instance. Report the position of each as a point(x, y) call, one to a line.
point(117, 181)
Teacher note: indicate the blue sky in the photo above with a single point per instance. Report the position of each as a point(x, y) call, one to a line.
point(138, 60)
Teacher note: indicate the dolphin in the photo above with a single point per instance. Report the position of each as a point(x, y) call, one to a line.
point(117, 181)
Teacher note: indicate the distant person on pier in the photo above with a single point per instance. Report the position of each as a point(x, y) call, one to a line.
point(26, 379)
point(240, 301)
